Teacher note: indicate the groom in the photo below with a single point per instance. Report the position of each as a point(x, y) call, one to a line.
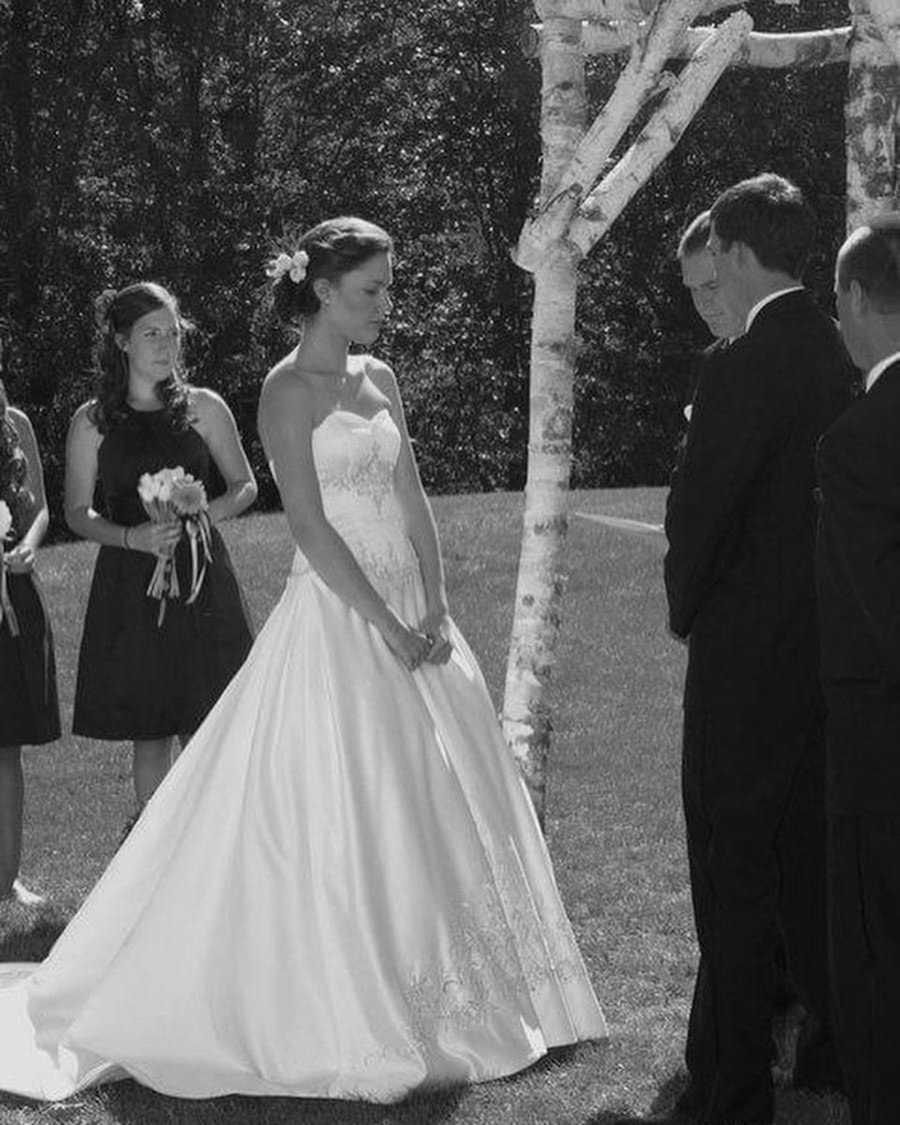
point(739, 578)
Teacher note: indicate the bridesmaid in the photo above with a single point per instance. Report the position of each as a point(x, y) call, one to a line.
point(29, 709)
point(139, 679)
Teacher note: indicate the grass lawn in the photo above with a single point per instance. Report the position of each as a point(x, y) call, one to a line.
point(614, 820)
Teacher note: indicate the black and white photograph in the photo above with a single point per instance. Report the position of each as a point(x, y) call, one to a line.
point(449, 562)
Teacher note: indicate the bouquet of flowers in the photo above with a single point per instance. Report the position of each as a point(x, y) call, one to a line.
point(174, 494)
point(7, 612)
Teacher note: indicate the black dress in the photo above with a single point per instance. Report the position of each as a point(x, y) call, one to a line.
point(29, 706)
point(138, 679)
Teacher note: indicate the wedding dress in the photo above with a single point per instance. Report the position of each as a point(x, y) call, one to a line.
point(340, 890)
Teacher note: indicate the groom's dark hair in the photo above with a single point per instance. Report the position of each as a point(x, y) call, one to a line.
point(871, 257)
point(770, 215)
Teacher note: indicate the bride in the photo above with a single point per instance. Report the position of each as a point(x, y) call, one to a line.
point(340, 890)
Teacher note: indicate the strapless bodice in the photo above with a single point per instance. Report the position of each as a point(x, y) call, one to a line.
point(355, 458)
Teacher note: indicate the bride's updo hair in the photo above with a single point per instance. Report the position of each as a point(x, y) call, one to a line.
point(333, 248)
point(115, 313)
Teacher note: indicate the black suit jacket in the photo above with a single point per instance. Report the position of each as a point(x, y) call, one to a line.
point(858, 546)
point(702, 363)
point(741, 515)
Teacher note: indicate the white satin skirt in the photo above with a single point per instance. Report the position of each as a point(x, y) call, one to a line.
point(340, 890)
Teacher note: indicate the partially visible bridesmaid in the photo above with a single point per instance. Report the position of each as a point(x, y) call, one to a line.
point(29, 708)
point(140, 680)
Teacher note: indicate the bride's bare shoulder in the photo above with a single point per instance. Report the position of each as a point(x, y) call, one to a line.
point(380, 376)
point(287, 365)
point(285, 395)
point(284, 380)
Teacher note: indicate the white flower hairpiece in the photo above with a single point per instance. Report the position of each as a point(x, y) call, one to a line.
point(292, 264)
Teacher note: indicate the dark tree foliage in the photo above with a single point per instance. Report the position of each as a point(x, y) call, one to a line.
point(184, 140)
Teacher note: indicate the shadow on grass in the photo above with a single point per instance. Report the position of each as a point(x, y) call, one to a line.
point(662, 1107)
point(129, 1103)
point(554, 1058)
point(797, 1107)
point(27, 933)
point(669, 1091)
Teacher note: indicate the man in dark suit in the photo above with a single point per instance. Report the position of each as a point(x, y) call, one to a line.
point(698, 273)
point(741, 523)
point(858, 574)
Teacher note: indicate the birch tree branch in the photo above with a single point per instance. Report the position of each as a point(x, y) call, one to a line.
point(635, 83)
point(660, 135)
point(769, 51)
point(611, 11)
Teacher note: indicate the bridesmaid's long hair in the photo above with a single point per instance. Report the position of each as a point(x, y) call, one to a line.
point(334, 247)
point(116, 312)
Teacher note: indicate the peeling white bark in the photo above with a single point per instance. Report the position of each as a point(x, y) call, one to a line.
point(608, 11)
point(636, 82)
point(886, 14)
point(526, 721)
point(660, 135)
point(873, 103)
point(800, 49)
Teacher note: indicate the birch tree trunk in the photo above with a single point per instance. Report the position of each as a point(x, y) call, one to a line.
point(526, 722)
point(873, 101)
point(886, 14)
point(571, 217)
point(571, 159)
